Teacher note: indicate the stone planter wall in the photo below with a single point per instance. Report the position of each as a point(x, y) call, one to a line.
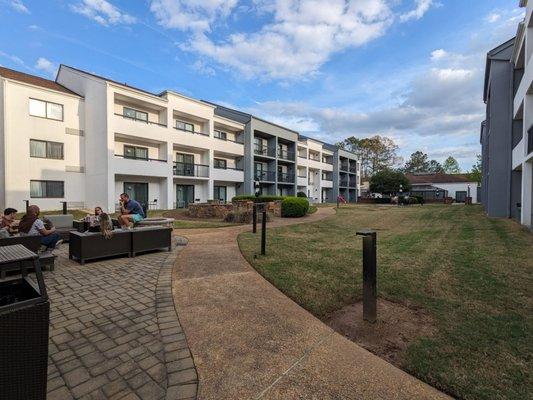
point(214, 210)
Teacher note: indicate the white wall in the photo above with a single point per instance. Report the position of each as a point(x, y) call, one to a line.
point(20, 127)
point(454, 187)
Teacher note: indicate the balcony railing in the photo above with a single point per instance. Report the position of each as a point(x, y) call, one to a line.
point(193, 132)
point(326, 161)
point(286, 154)
point(231, 168)
point(327, 178)
point(265, 176)
point(187, 169)
point(140, 120)
point(265, 151)
point(139, 158)
point(285, 178)
point(304, 156)
point(314, 157)
point(238, 141)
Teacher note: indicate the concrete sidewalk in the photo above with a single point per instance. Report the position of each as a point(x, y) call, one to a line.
point(250, 341)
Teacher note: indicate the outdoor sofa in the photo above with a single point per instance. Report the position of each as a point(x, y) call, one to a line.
point(85, 246)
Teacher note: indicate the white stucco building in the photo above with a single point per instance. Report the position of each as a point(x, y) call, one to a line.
point(438, 186)
point(85, 139)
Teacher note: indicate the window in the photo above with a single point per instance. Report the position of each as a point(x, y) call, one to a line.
point(47, 189)
point(220, 163)
point(221, 135)
point(135, 114)
point(45, 109)
point(184, 126)
point(43, 149)
point(135, 152)
point(220, 193)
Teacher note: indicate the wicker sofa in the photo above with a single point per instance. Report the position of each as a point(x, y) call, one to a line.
point(85, 246)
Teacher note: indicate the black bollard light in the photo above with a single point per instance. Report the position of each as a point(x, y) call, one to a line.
point(64, 207)
point(27, 204)
point(369, 275)
point(263, 232)
point(254, 218)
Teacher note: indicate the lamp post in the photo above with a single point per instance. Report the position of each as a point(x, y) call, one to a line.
point(257, 190)
point(400, 195)
point(468, 195)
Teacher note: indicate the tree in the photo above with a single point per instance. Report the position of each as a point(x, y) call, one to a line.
point(388, 181)
point(375, 153)
point(418, 162)
point(476, 171)
point(435, 167)
point(451, 166)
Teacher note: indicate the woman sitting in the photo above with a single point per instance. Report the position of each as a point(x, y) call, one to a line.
point(31, 225)
point(106, 225)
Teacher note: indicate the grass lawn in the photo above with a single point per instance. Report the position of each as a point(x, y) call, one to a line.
point(472, 274)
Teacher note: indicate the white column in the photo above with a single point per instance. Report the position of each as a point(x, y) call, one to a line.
point(527, 193)
point(167, 184)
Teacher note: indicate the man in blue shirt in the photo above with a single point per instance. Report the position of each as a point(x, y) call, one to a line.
point(130, 210)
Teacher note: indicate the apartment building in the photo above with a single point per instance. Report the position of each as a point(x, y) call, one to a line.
point(85, 139)
point(507, 132)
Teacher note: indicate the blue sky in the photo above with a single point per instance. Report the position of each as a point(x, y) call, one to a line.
point(408, 69)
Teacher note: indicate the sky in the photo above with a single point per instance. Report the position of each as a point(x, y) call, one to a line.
point(411, 70)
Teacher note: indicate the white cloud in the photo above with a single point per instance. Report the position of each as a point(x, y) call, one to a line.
point(13, 58)
point(19, 6)
point(438, 54)
point(302, 36)
point(47, 66)
point(493, 17)
point(193, 15)
point(422, 6)
point(102, 12)
point(202, 68)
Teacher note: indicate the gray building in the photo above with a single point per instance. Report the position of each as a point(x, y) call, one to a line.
point(279, 161)
point(497, 139)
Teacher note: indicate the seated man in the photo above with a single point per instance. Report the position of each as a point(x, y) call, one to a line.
point(131, 211)
point(31, 225)
point(7, 222)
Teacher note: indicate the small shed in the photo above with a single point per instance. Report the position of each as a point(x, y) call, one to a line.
point(437, 186)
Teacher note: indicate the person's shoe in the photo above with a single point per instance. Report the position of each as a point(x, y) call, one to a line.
point(58, 243)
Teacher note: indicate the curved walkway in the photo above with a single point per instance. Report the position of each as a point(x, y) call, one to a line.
point(250, 341)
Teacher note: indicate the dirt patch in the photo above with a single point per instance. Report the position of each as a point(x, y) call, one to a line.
point(396, 327)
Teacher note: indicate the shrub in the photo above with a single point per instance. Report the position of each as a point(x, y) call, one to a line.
point(301, 194)
point(382, 200)
point(259, 199)
point(294, 207)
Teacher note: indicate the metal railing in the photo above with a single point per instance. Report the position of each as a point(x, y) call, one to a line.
point(326, 161)
point(193, 132)
point(238, 141)
point(187, 169)
point(141, 120)
point(139, 158)
point(286, 154)
point(264, 151)
point(314, 157)
point(285, 177)
point(232, 168)
point(265, 176)
point(327, 178)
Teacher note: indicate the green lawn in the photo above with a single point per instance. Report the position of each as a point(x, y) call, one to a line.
point(472, 274)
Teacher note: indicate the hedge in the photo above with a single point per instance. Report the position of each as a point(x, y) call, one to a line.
point(294, 207)
point(259, 199)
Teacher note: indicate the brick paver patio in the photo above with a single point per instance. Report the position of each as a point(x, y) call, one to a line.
point(114, 332)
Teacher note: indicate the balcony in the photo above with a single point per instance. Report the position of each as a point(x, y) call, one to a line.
point(302, 181)
point(145, 121)
point(264, 151)
point(192, 170)
point(140, 166)
point(343, 182)
point(353, 183)
point(327, 178)
point(228, 174)
point(191, 131)
point(265, 176)
point(220, 135)
point(343, 167)
point(314, 157)
point(286, 154)
point(285, 177)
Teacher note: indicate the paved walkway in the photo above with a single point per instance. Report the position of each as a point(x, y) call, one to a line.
point(249, 341)
point(114, 332)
